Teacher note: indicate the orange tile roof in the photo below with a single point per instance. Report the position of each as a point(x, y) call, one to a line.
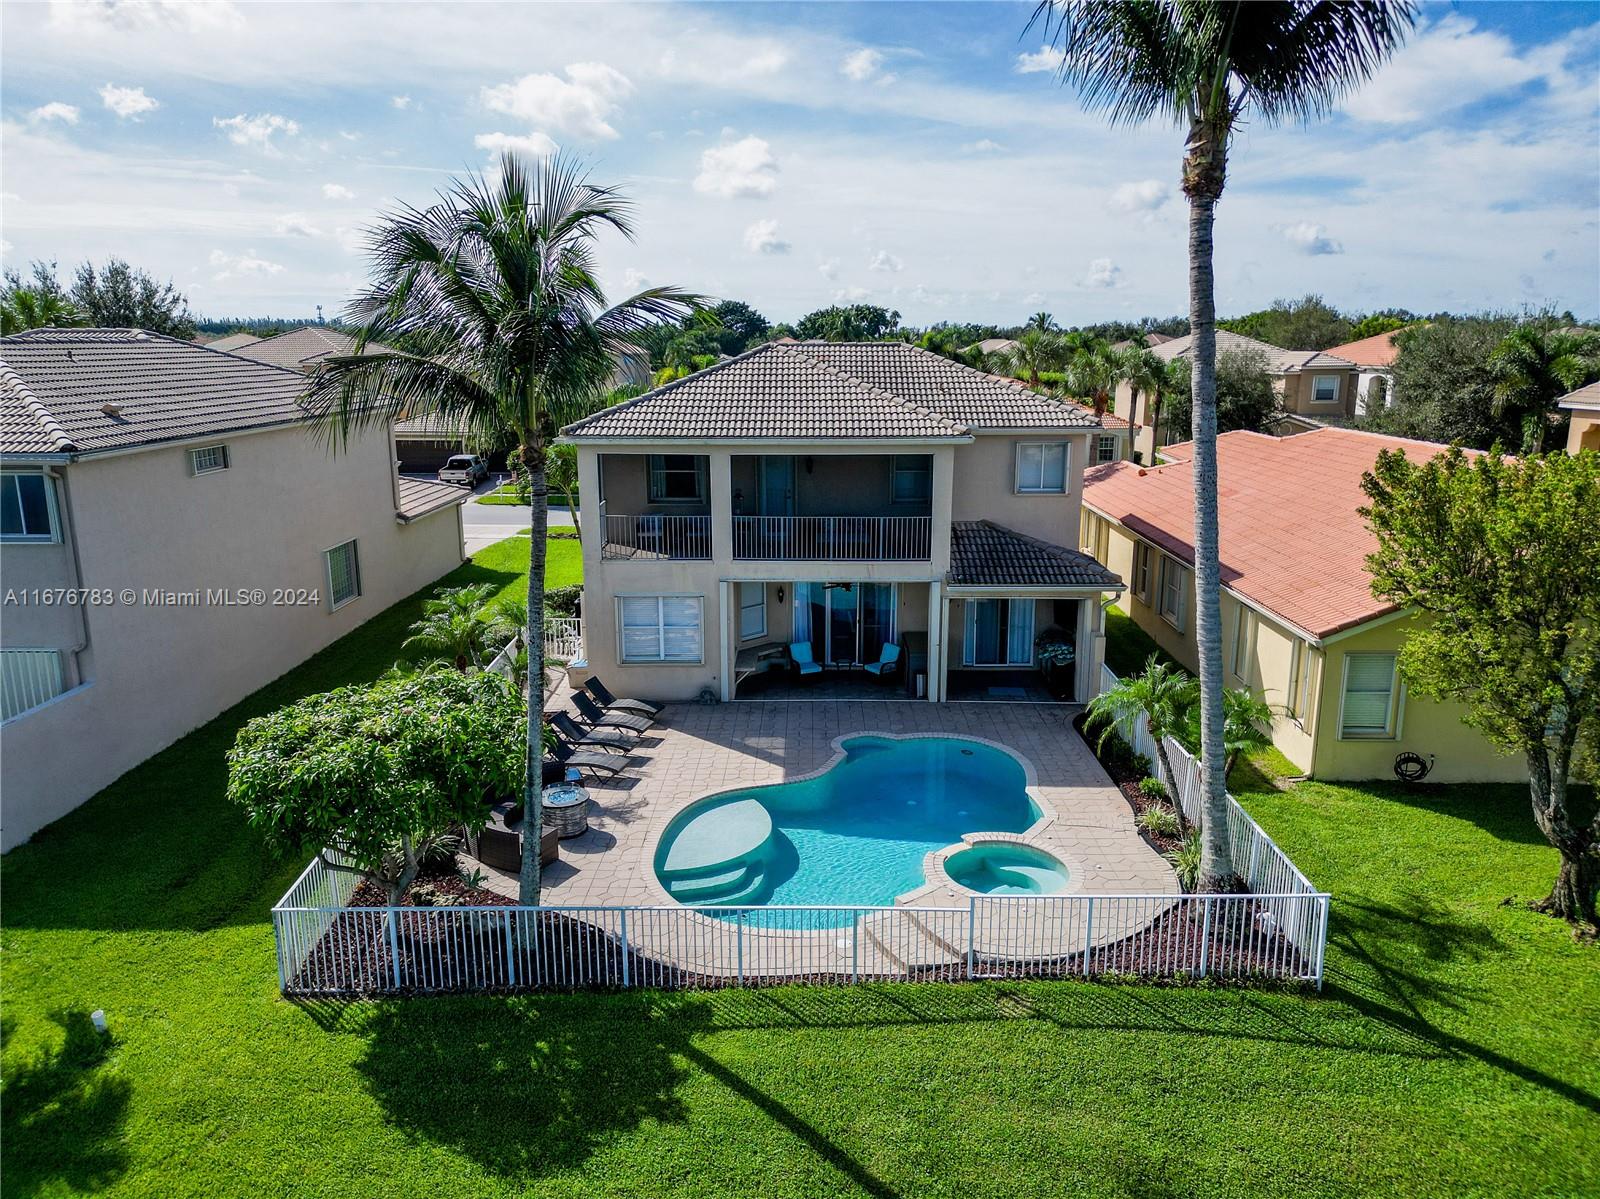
point(1108, 418)
point(1290, 538)
point(1377, 350)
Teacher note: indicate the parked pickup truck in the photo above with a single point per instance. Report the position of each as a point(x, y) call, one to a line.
point(466, 469)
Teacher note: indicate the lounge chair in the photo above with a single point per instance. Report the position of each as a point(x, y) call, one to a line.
point(587, 759)
point(888, 662)
point(804, 663)
point(611, 739)
point(592, 715)
point(611, 703)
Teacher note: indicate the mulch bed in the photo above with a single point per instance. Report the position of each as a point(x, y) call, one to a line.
point(1127, 781)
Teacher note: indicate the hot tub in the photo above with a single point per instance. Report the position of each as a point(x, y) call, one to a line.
point(1006, 868)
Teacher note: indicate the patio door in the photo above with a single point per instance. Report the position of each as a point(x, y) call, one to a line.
point(998, 632)
point(844, 623)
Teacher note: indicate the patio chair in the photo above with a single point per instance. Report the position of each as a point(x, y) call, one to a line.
point(888, 662)
point(804, 662)
point(576, 760)
point(610, 703)
point(592, 715)
point(578, 738)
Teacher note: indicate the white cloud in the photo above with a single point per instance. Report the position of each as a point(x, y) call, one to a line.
point(337, 191)
point(232, 266)
point(55, 111)
point(1103, 273)
point(762, 238)
point(127, 101)
point(1140, 198)
point(5, 246)
point(983, 145)
point(135, 16)
point(258, 130)
point(1045, 58)
point(582, 104)
point(884, 261)
point(862, 65)
point(400, 102)
point(295, 224)
point(850, 295)
point(828, 268)
point(533, 145)
point(1311, 239)
point(634, 281)
point(741, 168)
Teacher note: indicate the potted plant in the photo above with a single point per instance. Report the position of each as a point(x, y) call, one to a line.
point(1055, 657)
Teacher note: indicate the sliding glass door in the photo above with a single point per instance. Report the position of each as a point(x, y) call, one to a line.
point(998, 632)
point(844, 623)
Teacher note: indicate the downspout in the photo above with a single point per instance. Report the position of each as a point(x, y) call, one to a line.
point(69, 533)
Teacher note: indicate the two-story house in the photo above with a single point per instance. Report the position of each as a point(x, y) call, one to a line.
point(172, 537)
point(841, 497)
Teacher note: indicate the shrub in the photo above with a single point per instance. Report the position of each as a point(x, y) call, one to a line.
point(1185, 861)
point(563, 601)
point(1153, 787)
point(1162, 822)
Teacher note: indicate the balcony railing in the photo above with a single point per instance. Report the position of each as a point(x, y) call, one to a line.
point(833, 538)
point(657, 537)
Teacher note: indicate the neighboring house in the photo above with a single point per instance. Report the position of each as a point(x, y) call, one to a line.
point(302, 349)
point(173, 538)
point(1114, 442)
point(1374, 358)
point(845, 496)
point(1300, 626)
point(994, 345)
point(1314, 387)
point(230, 342)
point(1584, 405)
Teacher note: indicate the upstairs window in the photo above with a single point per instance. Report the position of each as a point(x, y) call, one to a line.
point(27, 507)
point(208, 459)
point(1042, 467)
point(913, 478)
point(1325, 389)
point(1105, 447)
point(677, 479)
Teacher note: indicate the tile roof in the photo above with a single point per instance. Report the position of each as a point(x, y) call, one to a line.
point(814, 389)
point(1377, 350)
point(984, 554)
point(419, 497)
point(299, 349)
point(231, 342)
point(1290, 538)
point(1279, 361)
point(57, 384)
point(1108, 419)
point(430, 426)
point(1585, 397)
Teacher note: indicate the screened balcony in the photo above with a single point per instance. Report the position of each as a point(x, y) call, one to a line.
point(836, 507)
point(655, 506)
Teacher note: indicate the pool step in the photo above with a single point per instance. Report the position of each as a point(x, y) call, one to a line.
point(693, 888)
point(731, 897)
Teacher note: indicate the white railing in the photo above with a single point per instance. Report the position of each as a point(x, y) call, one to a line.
point(1266, 868)
point(563, 638)
point(28, 678)
point(833, 538)
point(657, 536)
point(327, 947)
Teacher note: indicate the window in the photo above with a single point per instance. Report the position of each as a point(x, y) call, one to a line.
point(1244, 637)
point(1368, 708)
point(27, 507)
point(1325, 389)
point(207, 459)
point(677, 479)
point(1105, 447)
point(999, 632)
point(1173, 598)
point(28, 678)
point(752, 610)
point(660, 628)
point(1300, 680)
point(913, 478)
point(1042, 467)
point(1142, 555)
point(344, 574)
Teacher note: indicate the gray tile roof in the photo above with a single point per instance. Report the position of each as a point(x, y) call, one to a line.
point(55, 386)
point(814, 389)
point(1587, 396)
point(984, 554)
point(1279, 361)
point(418, 497)
point(430, 426)
point(299, 349)
point(231, 342)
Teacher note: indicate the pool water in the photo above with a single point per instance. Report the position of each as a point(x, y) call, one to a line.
point(855, 834)
point(996, 868)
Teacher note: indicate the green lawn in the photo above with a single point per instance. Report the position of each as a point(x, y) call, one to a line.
point(506, 493)
point(1454, 1053)
point(1128, 647)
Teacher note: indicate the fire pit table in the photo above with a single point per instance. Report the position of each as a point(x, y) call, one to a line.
point(566, 809)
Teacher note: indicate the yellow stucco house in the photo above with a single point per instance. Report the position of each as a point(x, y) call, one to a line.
point(1300, 625)
point(1584, 431)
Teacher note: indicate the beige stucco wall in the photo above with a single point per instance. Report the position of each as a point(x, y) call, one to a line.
point(1584, 431)
point(1310, 740)
point(156, 672)
point(985, 476)
point(1297, 390)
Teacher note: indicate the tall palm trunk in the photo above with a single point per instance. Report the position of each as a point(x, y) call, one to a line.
point(533, 778)
point(1203, 177)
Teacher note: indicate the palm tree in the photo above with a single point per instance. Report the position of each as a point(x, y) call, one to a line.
point(1093, 371)
point(1162, 696)
point(501, 327)
point(1148, 374)
point(1533, 368)
point(453, 627)
point(23, 307)
point(1036, 353)
point(1043, 322)
point(1203, 64)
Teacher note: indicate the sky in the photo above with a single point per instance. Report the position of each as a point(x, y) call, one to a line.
point(921, 156)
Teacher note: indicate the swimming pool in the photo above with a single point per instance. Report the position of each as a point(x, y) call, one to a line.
point(856, 833)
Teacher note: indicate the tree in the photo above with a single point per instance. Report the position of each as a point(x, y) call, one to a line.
point(1036, 353)
point(1533, 368)
point(1501, 555)
point(490, 296)
point(1162, 696)
point(1309, 323)
point(1043, 322)
point(1379, 322)
point(1147, 373)
point(452, 626)
point(1203, 66)
point(1093, 372)
point(1444, 384)
point(118, 296)
point(1246, 398)
point(36, 303)
point(561, 470)
point(857, 322)
point(741, 326)
point(1246, 723)
point(371, 772)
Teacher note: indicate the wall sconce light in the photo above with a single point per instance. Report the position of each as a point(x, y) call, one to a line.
point(780, 593)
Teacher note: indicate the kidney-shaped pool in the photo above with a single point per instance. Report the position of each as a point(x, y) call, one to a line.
point(856, 833)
